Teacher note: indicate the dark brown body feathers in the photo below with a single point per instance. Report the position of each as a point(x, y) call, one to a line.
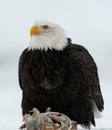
point(67, 81)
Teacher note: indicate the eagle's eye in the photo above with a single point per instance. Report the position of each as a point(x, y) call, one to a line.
point(45, 26)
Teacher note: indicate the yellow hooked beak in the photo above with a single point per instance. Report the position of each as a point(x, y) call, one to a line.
point(34, 30)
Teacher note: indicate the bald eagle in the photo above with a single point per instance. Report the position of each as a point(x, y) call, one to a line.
point(54, 72)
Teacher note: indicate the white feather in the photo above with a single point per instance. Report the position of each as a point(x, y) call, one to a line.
point(97, 113)
point(53, 38)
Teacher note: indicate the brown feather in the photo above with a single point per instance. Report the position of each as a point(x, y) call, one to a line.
point(67, 81)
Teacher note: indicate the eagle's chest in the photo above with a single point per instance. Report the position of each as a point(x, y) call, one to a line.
point(46, 68)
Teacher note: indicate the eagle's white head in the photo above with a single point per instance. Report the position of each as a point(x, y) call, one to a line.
point(46, 35)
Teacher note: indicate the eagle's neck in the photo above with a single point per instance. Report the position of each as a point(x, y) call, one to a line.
point(43, 42)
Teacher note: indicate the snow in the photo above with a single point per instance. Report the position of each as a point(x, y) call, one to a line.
point(10, 112)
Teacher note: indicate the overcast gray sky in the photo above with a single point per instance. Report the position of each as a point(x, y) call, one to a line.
point(87, 22)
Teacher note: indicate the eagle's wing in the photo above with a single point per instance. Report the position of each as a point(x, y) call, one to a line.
point(21, 69)
point(87, 73)
point(24, 82)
